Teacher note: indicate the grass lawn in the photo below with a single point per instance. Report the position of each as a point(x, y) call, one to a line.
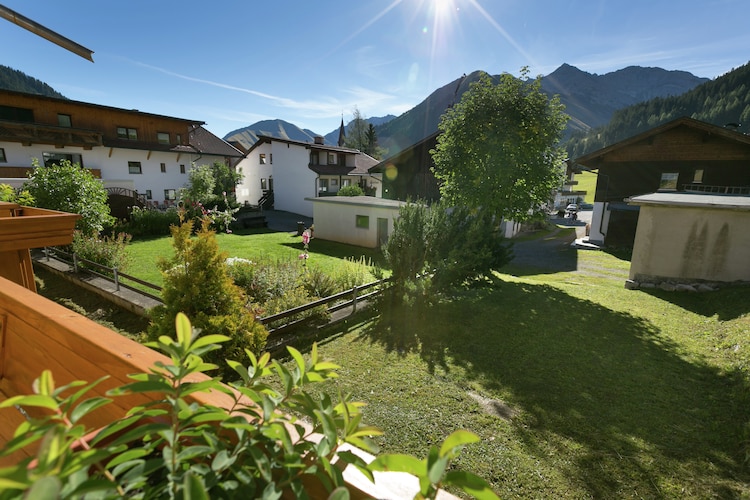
point(587, 182)
point(249, 244)
point(577, 387)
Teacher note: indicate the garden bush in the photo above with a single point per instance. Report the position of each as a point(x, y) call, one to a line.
point(351, 190)
point(104, 250)
point(10, 194)
point(150, 222)
point(197, 283)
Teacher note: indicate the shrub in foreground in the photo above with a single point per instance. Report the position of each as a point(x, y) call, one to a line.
point(104, 250)
point(174, 447)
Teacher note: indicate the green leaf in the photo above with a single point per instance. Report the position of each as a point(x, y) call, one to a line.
point(184, 330)
point(48, 487)
point(194, 488)
point(340, 493)
point(126, 456)
point(36, 400)
point(210, 339)
point(471, 484)
point(45, 384)
point(457, 439)
point(86, 407)
point(399, 463)
point(299, 359)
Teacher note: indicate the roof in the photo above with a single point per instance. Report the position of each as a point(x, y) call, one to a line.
point(97, 106)
point(696, 200)
point(362, 164)
point(205, 142)
point(685, 121)
point(361, 201)
point(265, 139)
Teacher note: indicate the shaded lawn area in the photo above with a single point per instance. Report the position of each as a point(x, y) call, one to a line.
point(577, 387)
point(249, 244)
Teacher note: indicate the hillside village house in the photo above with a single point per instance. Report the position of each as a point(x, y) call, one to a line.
point(684, 156)
point(286, 173)
point(131, 151)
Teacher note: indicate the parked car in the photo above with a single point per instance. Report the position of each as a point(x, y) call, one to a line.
point(571, 209)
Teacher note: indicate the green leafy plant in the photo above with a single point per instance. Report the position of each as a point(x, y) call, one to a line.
point(10, 194)
point(104, 250)
point(273, 439)
point(70, 188)
point(351, 190)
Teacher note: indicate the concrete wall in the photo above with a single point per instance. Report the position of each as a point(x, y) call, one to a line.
point(691, 243)
point(336, 218)
point(250, 189)
point(599, 226)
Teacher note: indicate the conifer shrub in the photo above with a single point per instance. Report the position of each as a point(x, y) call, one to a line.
point(197, 283)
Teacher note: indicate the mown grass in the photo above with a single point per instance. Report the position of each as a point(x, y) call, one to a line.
point(577, 387)
point(587, 182)
point(253, 245)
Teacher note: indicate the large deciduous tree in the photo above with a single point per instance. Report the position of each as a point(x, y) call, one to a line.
point(498, 148)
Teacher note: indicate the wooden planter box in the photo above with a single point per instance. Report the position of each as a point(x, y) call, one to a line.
point(23, 228)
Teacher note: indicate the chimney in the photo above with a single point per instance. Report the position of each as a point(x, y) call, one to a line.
point(319, 139)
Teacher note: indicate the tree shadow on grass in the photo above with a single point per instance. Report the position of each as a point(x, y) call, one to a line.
point(640, 414)
point(730, 304)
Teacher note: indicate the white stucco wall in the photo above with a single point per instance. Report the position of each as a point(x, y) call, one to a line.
point(113, 165)
point(250, 189)
point(335, 218)
point(293, 181)
point(692, 243)
point(598, 227)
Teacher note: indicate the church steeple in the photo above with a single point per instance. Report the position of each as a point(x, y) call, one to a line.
point(342, 133)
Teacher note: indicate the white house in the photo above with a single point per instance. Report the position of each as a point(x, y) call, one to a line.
point(357, 220)
point(144, 153)
point(294, 172)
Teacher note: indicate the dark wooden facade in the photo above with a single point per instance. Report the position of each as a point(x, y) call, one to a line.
point(704, 157)
point(31, 118)
point(408, 174)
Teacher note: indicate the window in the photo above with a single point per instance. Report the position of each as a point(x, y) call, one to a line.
point(322, 185)
point(182, 168)
point(170, 194)
point(314, 158)
point(331, 158)
point(3, 159)
point(129, 134)
point(178, 138)
point(162, 137)
point(334, 182)
point(57, 158)
point(668, 181)
point(263, 184)
point(64, 120)
point(698, 176)
point(271, 156)
point(163, 167)
point(363, 221)
point(134, 167)
point(262, 157)
point(16, 114)
point(346, 182)
point(148, 194)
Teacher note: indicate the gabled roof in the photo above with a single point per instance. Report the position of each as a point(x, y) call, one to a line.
point(265, 139)
point(205, 142)
point(708, 128)
point(362, 164)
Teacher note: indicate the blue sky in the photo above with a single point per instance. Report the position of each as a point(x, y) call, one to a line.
point(233, 63)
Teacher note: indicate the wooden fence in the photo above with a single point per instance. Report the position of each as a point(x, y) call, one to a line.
point(278, 325)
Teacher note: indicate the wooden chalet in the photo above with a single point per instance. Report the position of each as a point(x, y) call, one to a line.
point(682, 156)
